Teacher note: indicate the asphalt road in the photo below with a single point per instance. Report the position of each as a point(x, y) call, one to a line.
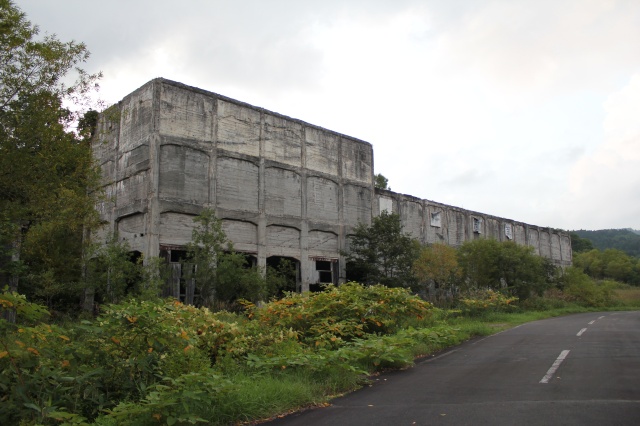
point(580, 369)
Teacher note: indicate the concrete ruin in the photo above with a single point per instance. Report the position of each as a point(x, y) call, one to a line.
point(283, 188)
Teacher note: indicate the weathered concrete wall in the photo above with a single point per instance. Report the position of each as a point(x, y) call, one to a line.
point(431, 222)
point(282, 187)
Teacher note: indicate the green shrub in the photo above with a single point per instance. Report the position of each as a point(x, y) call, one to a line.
point(550, 300)
point(163, 362)
point(341, 314)
point(35, 365)
point(50, 373)
point(187, 399)
point(479, 302)
point(582, 289)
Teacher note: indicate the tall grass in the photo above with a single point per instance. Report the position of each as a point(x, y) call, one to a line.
point(627, 296)
point(163, 361)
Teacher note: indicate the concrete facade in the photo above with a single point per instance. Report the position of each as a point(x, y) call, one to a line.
point(282, 187)
point(431, 222)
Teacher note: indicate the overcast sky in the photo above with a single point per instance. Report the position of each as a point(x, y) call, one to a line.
point(524, 109)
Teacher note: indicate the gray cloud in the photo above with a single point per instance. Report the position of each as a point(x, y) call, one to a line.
point(507, 107)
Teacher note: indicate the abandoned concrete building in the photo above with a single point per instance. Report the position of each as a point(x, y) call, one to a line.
point(283, 188)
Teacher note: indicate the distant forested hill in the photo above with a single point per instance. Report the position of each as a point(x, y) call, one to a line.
point(627, 240)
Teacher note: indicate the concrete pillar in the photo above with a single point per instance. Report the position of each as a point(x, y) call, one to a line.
point(153, 205)
point(213, 158)
point(113, 227)
point(262, 218)
point(305, 263)
point(342, 241)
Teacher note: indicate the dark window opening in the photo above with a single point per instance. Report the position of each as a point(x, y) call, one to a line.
point(283, 275)
point(135, 280)
point(326, 273)
point(325, 277)
point(250, 260)
point(177, 256)
point(323, 265)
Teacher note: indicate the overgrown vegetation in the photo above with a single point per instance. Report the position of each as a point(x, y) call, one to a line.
point(46, 169)
point(626, 240)
point(162, 362)
point(146, 360)
point(143, 360)
point(609, 264)
point(381, 182)
point(382, 253)
point(221, 275)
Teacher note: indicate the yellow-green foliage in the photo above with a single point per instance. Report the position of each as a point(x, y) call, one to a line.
point(481, 301)
point(581, 288)
point(93, 365)
point(138, 359)
point(162, 362)
point(343, 313)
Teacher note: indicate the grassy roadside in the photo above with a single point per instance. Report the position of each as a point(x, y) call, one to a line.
point(150, 362)
point(459, 329)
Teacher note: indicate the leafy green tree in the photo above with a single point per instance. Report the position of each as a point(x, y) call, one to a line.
point(220, 274)
point(608, 264)
point(479, 260)
point(579, 244)
point(235, 280)
point(111, 271)
point(382, 253)
point(154, 274)
point(281, 279)
point(45, 169)
point(506, 266)
point(208, 243)
point(585, 290)
point(381, 182)
point(438, 264)
point(591, 263)
point(626, 240)
point(618, 265)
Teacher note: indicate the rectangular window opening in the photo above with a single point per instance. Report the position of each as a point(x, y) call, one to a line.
point(323, 265)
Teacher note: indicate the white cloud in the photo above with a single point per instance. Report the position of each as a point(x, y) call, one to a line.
point(605, 184)
point(519, 108)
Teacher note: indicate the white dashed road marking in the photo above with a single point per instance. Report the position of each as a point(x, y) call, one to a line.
point(580, 332)
point(555, 366)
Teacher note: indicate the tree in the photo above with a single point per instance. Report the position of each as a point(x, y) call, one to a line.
point(579, 244)
point(583, 289)
point(618, 265)
point(505, 266)
point(46, 170)
point(381, 182)
point(208, 242)
point(479, 262)
point(381, 253)
point(626, 240)
point(220, 274)
point(608, 264)
point(281, 278)
point(438, 264)
point(28, 65)
point(591, 263)
point(111, 271)
point(235, 280)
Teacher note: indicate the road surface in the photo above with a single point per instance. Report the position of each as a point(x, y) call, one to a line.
point(580, 369)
